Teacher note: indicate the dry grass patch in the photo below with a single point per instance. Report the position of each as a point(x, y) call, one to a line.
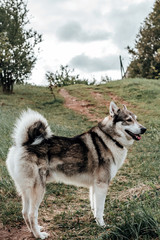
point(134, 192)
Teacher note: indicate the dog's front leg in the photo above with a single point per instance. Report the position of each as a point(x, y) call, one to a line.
point(100, 192)
point(91, 197)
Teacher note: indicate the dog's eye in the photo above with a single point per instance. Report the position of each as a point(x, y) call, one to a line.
point(129, 120)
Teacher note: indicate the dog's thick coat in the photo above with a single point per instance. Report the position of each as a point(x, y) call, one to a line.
point(91, 159)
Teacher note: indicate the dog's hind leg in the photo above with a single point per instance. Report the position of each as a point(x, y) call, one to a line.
point(36, 196)
point(100, 192)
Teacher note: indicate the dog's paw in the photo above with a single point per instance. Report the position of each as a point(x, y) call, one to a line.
point(100, 222)
point(40, 228)
point(43, 235)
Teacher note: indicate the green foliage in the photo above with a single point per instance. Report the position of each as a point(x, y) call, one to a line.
point(17, 57)
point(65, 77)
point(146, 54)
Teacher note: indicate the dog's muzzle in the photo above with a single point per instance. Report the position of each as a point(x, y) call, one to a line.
point(136, 137)
point(143, 130)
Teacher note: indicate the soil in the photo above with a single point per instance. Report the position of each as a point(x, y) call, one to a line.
point(82, 107)
point(120, 100)
point(18, 233)
point(9, 233)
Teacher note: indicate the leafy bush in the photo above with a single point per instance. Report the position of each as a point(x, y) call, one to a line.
point(64, 77)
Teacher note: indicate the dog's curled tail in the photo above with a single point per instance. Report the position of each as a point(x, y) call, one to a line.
point(31, 128)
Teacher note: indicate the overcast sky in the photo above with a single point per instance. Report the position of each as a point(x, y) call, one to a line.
point(88, 35)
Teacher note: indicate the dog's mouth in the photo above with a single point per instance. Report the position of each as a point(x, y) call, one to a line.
point(136, 137)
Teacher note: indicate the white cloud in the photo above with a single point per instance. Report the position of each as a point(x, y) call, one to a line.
point(87, 64)
point(90, 35)
point(73, 31)
point(126, 21)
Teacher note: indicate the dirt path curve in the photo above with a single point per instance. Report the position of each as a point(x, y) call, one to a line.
point(116, 98)
point(82, 107)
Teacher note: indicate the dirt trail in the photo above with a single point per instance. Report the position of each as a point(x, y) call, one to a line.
point(85, 107)
point(99, 97)
point(118, 99)
point(82, 106)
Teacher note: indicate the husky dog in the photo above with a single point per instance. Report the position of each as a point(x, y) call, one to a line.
point(91, 159)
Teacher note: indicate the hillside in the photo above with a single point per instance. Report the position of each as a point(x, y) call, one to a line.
point(133, 198)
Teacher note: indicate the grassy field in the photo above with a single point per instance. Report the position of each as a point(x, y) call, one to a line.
point(132, 208)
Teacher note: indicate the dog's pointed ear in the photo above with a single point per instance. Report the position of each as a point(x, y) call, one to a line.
point(124, 107)
point(113, 109)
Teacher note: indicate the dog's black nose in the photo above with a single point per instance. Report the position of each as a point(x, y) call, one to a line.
point(143, 130)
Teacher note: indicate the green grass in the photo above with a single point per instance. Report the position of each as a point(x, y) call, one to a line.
point(141, 225)
point(65, 209)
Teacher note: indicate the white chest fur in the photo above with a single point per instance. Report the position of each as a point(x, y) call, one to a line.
point(119, 157)
point(119, 154)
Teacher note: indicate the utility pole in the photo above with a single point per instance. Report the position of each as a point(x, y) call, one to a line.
point(121, 67)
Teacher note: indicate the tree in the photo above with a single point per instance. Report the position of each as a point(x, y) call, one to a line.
point(17, 41)
point(146, 53)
